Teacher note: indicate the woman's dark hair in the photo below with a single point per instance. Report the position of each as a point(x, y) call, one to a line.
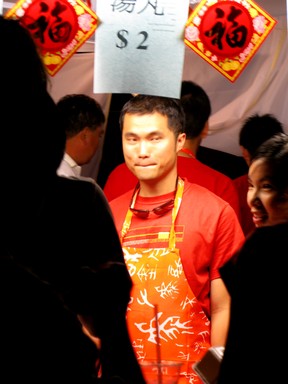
point(274, 152)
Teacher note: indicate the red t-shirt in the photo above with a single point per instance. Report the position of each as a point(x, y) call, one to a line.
point(207, 229)
point(121, 179)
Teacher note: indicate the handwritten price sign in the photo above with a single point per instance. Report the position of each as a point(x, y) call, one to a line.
point(139, 46)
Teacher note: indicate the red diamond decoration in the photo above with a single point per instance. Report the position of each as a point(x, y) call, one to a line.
point(58, 27)
point(227, 34)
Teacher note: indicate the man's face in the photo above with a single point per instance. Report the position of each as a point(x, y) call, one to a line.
point(149, 146)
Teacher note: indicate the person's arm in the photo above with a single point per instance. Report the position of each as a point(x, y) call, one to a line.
point(108, 329)
point(220, 312)
point(106, 287)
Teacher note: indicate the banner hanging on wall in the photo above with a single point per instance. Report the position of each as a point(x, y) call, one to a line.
point(227, 34)
point(58, 27)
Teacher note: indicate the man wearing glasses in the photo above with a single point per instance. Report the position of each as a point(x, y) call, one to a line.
point(175, 235)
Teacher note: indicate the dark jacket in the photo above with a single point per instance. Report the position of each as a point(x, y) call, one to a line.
point(256, 280)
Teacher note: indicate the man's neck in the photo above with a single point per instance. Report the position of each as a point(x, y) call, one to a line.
point(160, 187)
point(190, 148)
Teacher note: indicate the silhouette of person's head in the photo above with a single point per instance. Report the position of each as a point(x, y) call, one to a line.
point(33, 138)
point(197, 108)
point(32, 133)
point(255, 131)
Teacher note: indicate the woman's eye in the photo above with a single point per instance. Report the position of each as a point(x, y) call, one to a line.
point(267, 186)
point(250, 186)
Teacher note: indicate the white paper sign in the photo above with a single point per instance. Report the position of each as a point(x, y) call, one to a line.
point(139, 46)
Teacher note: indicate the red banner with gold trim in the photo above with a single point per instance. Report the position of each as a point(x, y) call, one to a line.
point(58, 27)
point(227, 34)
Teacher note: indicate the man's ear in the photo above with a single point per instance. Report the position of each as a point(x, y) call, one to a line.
point(180, 141)
point(246, 155)
point(83, 134)
point(205, 130)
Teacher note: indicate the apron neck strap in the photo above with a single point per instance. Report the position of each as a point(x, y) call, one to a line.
point(177, 202)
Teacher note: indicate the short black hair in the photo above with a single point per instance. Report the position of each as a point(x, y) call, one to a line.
point(27, 103)
point(80, 111)
point(197, 108)
point(166, 106)
point(257, 129)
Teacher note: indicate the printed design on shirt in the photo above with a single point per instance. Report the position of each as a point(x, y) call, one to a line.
point(155, 236)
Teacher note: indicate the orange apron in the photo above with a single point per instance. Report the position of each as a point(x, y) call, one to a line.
point(159, 280)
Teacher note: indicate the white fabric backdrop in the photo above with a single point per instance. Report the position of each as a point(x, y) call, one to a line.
point(261, 88)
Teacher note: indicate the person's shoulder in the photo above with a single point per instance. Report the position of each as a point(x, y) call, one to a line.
point(122, 167)
point(243, 179)
point(226, 163)
point(211, 172)
point(196, 190)
point(258, 245)
point(79, 188)
point(272, 234)
point(76, 182)
point(203, 199)
point(120, 171)
point(264, 250)
point(119, 181)
point(195, 167)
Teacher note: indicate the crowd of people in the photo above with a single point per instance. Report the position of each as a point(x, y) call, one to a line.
point(170, 253)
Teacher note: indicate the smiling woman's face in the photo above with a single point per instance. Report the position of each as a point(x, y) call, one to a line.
point(268, 205)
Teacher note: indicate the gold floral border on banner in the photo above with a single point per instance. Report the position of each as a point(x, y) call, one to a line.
point(58, 27)
point(227, 34)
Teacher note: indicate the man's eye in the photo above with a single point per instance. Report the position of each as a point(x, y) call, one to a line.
point(131, 139)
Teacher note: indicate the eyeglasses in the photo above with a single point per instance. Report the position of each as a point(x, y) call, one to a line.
point(144, 213)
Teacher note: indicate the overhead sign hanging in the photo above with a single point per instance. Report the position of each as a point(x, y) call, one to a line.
point(227, 34)
point(139, 47)
point(58, 27)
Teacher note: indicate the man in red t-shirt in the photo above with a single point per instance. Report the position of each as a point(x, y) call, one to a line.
point(175, 236)
point(197, 108)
